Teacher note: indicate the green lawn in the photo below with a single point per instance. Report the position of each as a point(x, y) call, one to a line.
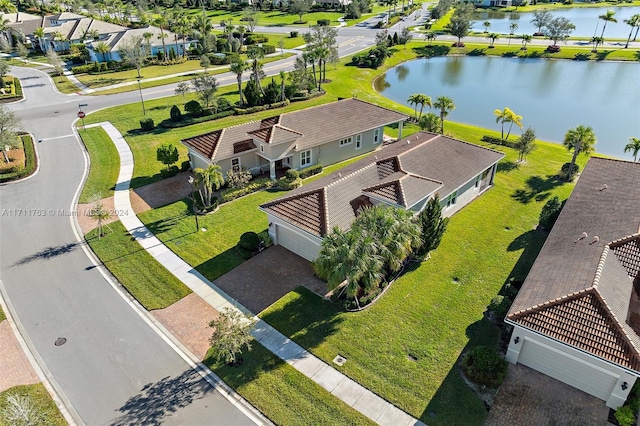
point(46, 410)
point(282, 393)
point(2, 315)
point(146, 279)
point(102, 179)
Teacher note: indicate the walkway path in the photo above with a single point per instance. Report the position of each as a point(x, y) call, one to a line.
point(353, 394)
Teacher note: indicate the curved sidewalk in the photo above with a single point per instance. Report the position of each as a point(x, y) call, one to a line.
point(339, 385)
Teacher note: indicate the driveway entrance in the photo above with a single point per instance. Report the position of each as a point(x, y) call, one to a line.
point(266, 277)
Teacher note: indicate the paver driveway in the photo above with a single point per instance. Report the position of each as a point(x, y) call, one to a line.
point(266, 277)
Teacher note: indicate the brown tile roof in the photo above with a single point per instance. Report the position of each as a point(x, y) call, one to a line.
point(311, 126)
point(205, 144)
point(604, 206)
point(382, 175)
point(242, 146)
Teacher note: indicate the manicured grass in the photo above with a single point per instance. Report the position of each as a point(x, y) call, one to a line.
point(100, 80)
point(2, 315)
point(102, 179)
point(282, 393)
point(63, 84)
point(46, 409)
point(212, 252)
point(146, 279)
point(435, 310)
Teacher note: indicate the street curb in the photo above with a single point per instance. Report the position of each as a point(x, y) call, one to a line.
point(56, 393)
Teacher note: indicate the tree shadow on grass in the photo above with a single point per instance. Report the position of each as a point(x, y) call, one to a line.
point(530, 243)
point(220, 264)
point(537, 187)
point(49, 253)
point(307, 317)
point(157, 401)
point(507, 166)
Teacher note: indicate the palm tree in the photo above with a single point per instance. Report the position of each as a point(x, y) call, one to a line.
point(430, 36)
point(204, 27)
point(445, 105)
point(102, 48)
point(514, 119)
point(7, 7)
point(424, 100)
point(161, 22)
point(492, 37)
point(239, 66)
point(580, 139)
point(486, 25)
point(633, 22)
point(526, 38)
point(58, 36)
point(255, 54)
point(607, 17)
point(39, 33)
point(414, 100)
point(502, 116)
point(596, 42)
point(206, 180)
point(634, 147)
point(147, 36)
point(512, 30)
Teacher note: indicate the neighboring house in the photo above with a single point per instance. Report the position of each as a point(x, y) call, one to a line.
point(20, 24)
point(492, 3)
point(324, 134)
point(577, 315)
point(64, 29)
point(403, 174)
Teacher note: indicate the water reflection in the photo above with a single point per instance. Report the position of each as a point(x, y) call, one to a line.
point(402, 72)
point(551, 95)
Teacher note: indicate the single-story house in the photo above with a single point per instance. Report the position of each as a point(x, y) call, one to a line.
point(577, 315)
point(492, 3)
point(64, 29)
point(403, 174)
point(324, 134)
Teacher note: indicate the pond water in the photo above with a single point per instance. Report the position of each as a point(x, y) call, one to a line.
point(551, 95)
point(585, 19)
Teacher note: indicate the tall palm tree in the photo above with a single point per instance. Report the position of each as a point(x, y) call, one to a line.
point(147, 36)
point(424, 100)
point(596, 42)
point(39, 34)
point(634, 147)
point(580, 139)
point(514, 119)
point(414, 100)
point(7, 7)
point(486, 25)
point(512, 30)
point(239, 66)
point(633, 22)
point(430, 36)
point(103, 49)
point(526, 38)
point(492, 38)
point(445, 105)
point(161, 22)
point(256, 53)
point(607, 17)
point(204, 27)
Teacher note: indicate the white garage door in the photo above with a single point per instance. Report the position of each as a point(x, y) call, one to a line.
point(296, 243)
point(567, 369)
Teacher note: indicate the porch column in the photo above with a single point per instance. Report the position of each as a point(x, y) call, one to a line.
point(272, 170)
point(400, 130)
point(494, 170)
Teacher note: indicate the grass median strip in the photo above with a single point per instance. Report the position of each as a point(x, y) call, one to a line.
point(282, 393)
point(104, 163)
point(32, 400)
point(146, 279)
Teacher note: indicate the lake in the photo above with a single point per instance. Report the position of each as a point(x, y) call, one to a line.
point(551, 95)
point(585, 19)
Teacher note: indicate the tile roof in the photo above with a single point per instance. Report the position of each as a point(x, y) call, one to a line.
point(594, 248)
point(310, 127)
point(205, 144)
point(382, 176)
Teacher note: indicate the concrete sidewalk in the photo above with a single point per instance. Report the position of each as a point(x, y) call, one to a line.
point(339, 385)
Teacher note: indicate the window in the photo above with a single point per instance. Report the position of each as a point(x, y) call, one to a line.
point(261, 148)
point(346, 141)
point(477, 181)
point(451, 199)
point(305, 158)
point(376, 135)
point(358, 141)
point(235, 164)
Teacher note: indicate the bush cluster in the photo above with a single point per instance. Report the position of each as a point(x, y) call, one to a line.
point(147, 124)
point(256, 38)
point(499, 141)
point(310, 171)
point(372, 58)
point(484, 366)
point(167, 173)
point(290, 181)
point(500, 306)
point(30, 162)
point(550, 212)
point(230, 194)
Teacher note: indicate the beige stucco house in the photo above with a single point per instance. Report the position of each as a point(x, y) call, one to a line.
point(324, 134)
point(404, 174)
point(577, 315)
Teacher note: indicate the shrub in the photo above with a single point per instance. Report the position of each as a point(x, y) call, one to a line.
point(500, 306)
point(510, 291)
point(323, 22)
point(625, 416)
point(193, 107)
point(287, 184)
point(550, 212)
point(175, 114)
point(172, 171)
point(250, 241)
point(185, 166)
point(564, 171)
point(147, 124)
point(499, 141)
point(293, 34)
point(233, 193)
point(243, 252)
point(168, 124)
point(310, 171)
point(30, 162)
point(265, 238)
point(256, 38)
point(268, 49)
point(292, 174)
point(484, 366)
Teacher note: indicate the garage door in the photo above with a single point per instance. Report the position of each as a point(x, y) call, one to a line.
point(586, 377)
point(296, 243)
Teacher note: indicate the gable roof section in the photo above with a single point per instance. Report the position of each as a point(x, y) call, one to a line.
point(205, 144)
point(310, 127)
point(380, 176)
point(604, 206)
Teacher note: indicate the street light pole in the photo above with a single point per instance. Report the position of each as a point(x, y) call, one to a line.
point(144, 111)
point(192, 181)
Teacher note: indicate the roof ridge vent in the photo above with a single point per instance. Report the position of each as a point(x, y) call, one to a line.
point(582, 237)
point(595, 240)
point(605, 186)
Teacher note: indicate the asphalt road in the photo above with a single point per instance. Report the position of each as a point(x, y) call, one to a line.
point(114, 368)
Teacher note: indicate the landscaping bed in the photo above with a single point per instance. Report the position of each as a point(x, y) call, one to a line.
point(12, 90)
point(40, 407)
point(23, 161)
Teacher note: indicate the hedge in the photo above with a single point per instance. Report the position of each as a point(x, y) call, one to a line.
point(253, 186)
point(31, 161)
point(310, 171)
point(188, 120)
point(499, 141)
